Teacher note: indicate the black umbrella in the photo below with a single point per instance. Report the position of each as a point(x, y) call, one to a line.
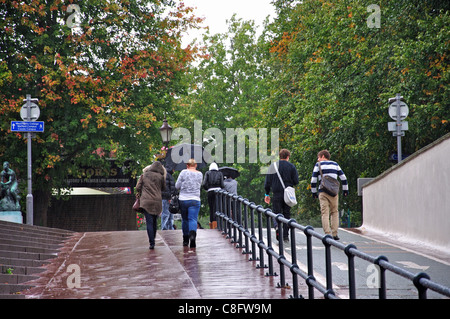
point(180, 154)
point(229, 172)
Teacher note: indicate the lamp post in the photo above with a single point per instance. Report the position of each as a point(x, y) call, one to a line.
point(166, 132)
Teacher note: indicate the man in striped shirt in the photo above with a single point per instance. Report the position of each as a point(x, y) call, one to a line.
point(328, 204)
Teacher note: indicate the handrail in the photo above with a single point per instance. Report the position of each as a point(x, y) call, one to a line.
point(234, 213)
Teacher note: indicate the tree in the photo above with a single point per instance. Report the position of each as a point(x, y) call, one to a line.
point(228, 84)
point(103, 72)
point(333, 75)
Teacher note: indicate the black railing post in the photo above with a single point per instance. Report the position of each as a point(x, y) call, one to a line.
point(233, 215)
point(239, 220)
point(253, 237)
point(261, 239)
point(282, 283)
point(246, 250)
point(230, 220)
point(420, 288)
point(328, 268)
point(309, 255)
point(351, 271)
point(224, 213)
point(269, 246)
point(218, 209)
point(382, 277)
point(294, 259)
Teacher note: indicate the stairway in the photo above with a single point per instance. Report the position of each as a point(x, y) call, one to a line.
point(24, 250)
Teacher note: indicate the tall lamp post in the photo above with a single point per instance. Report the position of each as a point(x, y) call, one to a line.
point(166, 132)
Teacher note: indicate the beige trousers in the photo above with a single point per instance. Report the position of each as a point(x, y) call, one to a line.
point(329, 207)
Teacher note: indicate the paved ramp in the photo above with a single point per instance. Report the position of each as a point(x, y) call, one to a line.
point(105, 265)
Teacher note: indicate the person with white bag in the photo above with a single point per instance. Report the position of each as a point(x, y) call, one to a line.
point(281, 178)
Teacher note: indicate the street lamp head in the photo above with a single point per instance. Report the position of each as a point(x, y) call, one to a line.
point(166, 131)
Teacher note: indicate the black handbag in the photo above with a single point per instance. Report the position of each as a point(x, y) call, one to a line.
point(328, 184)
point(174, 205)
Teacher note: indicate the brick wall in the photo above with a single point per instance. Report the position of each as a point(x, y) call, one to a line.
point(93, 213)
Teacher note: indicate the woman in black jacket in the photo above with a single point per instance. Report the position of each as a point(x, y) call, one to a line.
point(213, 180)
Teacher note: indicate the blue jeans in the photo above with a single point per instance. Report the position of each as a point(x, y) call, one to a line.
point(166, 216)
point(189, 215)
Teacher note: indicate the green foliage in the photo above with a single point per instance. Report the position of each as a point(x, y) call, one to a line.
point(103, 75)
point(227, 87)
point(334, 76)
point(322, 76)
point(318, 73)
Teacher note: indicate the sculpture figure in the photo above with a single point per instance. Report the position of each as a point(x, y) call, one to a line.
point(9, 197)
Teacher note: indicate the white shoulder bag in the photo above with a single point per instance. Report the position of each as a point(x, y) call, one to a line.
point(289, 192)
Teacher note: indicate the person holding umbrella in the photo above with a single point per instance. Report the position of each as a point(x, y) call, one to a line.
point(230, 185)
point(189, 183)
point(230, 175)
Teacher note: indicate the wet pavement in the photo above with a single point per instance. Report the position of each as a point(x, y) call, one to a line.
point(110, 265)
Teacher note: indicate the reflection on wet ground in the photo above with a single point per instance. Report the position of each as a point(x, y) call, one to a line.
point(120, 265)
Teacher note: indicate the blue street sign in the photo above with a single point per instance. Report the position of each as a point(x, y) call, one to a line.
point(27, 126)
point(394, 157)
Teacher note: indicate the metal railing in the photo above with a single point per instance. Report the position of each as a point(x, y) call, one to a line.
point(242, 221)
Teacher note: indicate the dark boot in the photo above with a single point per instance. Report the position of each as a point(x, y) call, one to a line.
point(192, 235)
point(185, 240)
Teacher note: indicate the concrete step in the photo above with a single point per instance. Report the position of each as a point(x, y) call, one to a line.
point(26, 237)
point(23, 262)
point(20, 270)
point(26, 243)
point(26, 255)
point(24, 251)
point(13, 296)
point(12, 289)
point(16, 279)
point(39, 235)
point(34, 229)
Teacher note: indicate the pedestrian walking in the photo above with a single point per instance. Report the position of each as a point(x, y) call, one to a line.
point(328, 203)
point(189, 183)
point(166, 216)
point(289, 175)
point(230, 185)
point(149, 187)
point(212, 181)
